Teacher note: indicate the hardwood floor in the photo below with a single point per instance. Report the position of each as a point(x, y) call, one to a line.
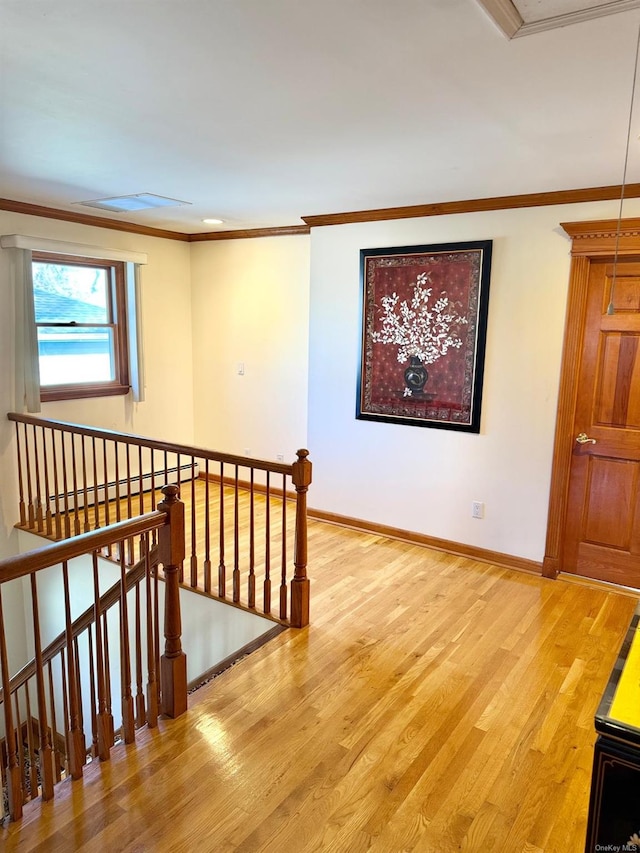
point(435, 704)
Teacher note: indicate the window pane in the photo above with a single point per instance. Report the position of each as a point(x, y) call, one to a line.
point(75, 356)
point(68, 293)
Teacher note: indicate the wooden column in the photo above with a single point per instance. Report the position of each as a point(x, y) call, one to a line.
point(171, 553)
point(300, 585)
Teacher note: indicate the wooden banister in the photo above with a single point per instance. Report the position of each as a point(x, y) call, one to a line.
point(106, 601)
point(239, 521)
point(31, 756)
point(21, 565)
point(153, 444)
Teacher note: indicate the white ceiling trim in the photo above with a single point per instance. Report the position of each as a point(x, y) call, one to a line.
point(506, 16)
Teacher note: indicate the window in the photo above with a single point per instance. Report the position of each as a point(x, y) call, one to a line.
point(80, 314)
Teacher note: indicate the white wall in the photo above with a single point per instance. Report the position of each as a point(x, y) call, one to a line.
point(423, 479)
point(166, 321)
point(251, 305)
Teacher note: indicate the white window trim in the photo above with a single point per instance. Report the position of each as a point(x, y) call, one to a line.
point(61, 247)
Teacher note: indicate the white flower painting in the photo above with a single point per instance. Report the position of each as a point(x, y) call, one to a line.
point(420, 327)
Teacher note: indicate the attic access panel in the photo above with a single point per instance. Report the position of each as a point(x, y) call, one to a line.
point(525, 17)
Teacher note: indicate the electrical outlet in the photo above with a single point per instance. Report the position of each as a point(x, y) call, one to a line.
point(279, 457)
point(477, 509)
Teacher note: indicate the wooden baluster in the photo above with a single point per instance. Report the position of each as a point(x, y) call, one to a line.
point(152, 685)
point(266, 589)
point(130, 559)
point(128, 721)
point(54, 727)
point(236, 540)
point(85, 491)
point(46, 767)
point(140, 709)
point(300, 585)
point(194, 558)
point(36, 458)
point(31, 510)
point(283, 569)
point(56, 485)
point(107, 496)
point(76, 737)
point(92, 696)
point(156, 632)
point(20, 736)
point(171, 553)
point(117, 483)
point(104, 721)
point(166, 467)
point(178, 484)
point(252, 543)
point(13, 777)
point(140, 481)
point(47, 494)
point(207, 530)
point(23, 513)
point(31, 749)
point(65, 712)
point(4, 811)
point(96, 485)
point(110, 736)
point(74, 471)
point(222, 572)
point(154, 535)
point(65, 487)
point(76, 661)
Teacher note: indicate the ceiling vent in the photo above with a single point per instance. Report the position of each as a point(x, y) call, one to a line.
point(130, 203)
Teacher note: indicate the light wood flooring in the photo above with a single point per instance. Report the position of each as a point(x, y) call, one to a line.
point(434, 704)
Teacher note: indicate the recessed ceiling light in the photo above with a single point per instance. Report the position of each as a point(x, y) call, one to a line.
point(213, 221)
point(128, 203)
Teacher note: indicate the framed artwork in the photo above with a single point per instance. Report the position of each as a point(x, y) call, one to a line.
point(423, 334)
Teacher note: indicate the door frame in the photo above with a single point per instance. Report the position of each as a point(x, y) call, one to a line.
point(590, 241)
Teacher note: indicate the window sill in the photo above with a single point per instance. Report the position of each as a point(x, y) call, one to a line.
point(79, 392)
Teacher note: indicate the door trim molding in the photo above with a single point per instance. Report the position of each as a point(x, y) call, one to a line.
point(590, 241)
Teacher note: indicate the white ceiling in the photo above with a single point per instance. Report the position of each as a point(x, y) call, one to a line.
point(262, 111)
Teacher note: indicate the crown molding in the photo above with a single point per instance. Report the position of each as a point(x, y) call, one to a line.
point(87, 219)
point(120, 225)
point(283, 231)
point(477, 205)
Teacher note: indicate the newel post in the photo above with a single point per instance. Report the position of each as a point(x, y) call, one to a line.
point(300, 585)
point(171, 552)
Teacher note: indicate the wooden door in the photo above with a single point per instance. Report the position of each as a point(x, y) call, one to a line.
point(594, 507)
point(602, 531)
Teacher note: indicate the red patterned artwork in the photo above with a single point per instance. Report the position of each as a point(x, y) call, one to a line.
point(424, 311)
